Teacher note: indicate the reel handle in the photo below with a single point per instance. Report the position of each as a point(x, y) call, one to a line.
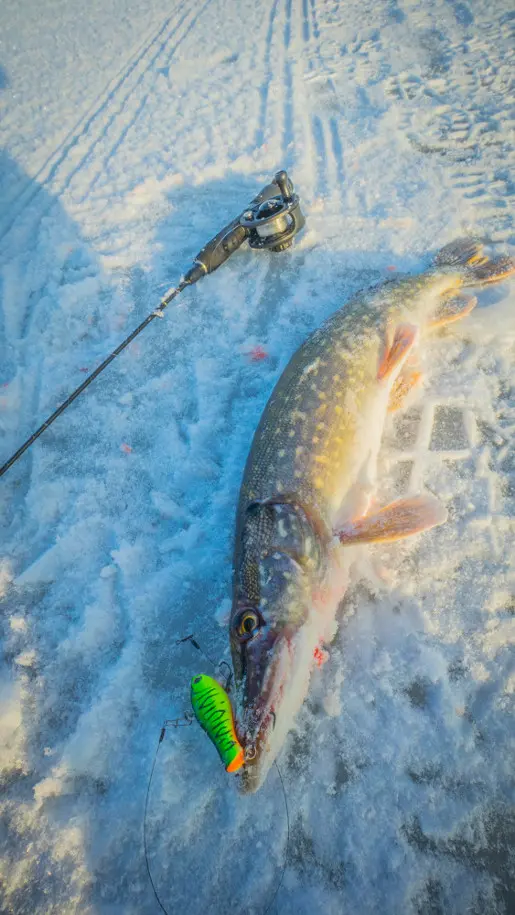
point(269, 191)
point(228, 239)
point(285, 186)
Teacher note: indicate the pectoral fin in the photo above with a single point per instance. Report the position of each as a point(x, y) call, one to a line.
point(395, 521)
point(402, 388)
point(404, 339)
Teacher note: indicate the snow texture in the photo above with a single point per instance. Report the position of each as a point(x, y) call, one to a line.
point(129, 134)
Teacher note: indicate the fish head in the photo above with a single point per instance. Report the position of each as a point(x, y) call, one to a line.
point(272, 638)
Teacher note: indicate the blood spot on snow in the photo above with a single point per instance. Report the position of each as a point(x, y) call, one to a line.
point(257, 354)
point(391, 268)
point(125, 448)
point(320, 656)
point(84, 369)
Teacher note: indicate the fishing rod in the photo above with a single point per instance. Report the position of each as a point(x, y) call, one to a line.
point(269, 222)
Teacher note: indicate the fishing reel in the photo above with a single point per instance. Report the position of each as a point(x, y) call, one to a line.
point(271, 221)
point(274, 223)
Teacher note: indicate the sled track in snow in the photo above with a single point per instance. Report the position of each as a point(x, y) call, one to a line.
point(289, 115)
point(117, 108)
point(161, 60)
point(324, 130)
point(259, 138)
point(56, 159)
point(274, 116)
point(60, 168)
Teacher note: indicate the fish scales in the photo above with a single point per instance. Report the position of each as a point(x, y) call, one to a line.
point(321, 398)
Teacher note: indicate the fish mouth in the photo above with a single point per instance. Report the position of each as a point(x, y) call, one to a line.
point(260, 716)
point(258, 756)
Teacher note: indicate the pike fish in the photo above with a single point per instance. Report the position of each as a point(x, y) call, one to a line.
point(309, 486)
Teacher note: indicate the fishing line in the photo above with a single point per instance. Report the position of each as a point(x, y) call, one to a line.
point(192, 640)
point(184, 722)
point(281, 878)
point(218, 667)
point(145, 846)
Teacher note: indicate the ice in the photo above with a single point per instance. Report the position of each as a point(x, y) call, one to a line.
point(130, 134)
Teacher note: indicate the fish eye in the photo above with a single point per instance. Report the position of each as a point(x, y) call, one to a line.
point(247, 624)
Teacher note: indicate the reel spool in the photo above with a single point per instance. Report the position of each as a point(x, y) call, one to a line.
point(274, 223)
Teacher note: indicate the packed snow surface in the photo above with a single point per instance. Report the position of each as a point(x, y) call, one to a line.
point(129, 134)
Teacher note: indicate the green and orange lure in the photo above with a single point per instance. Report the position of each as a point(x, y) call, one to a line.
point(213, 711)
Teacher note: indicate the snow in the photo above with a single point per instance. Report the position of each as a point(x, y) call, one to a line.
point(129, 134)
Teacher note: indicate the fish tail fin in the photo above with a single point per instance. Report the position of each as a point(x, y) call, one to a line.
point(477, 269)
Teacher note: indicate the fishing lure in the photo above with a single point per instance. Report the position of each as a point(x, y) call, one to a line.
point(213, 711)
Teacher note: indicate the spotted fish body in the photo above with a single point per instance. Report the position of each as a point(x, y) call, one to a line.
point(311, 472)
point(316, 428)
